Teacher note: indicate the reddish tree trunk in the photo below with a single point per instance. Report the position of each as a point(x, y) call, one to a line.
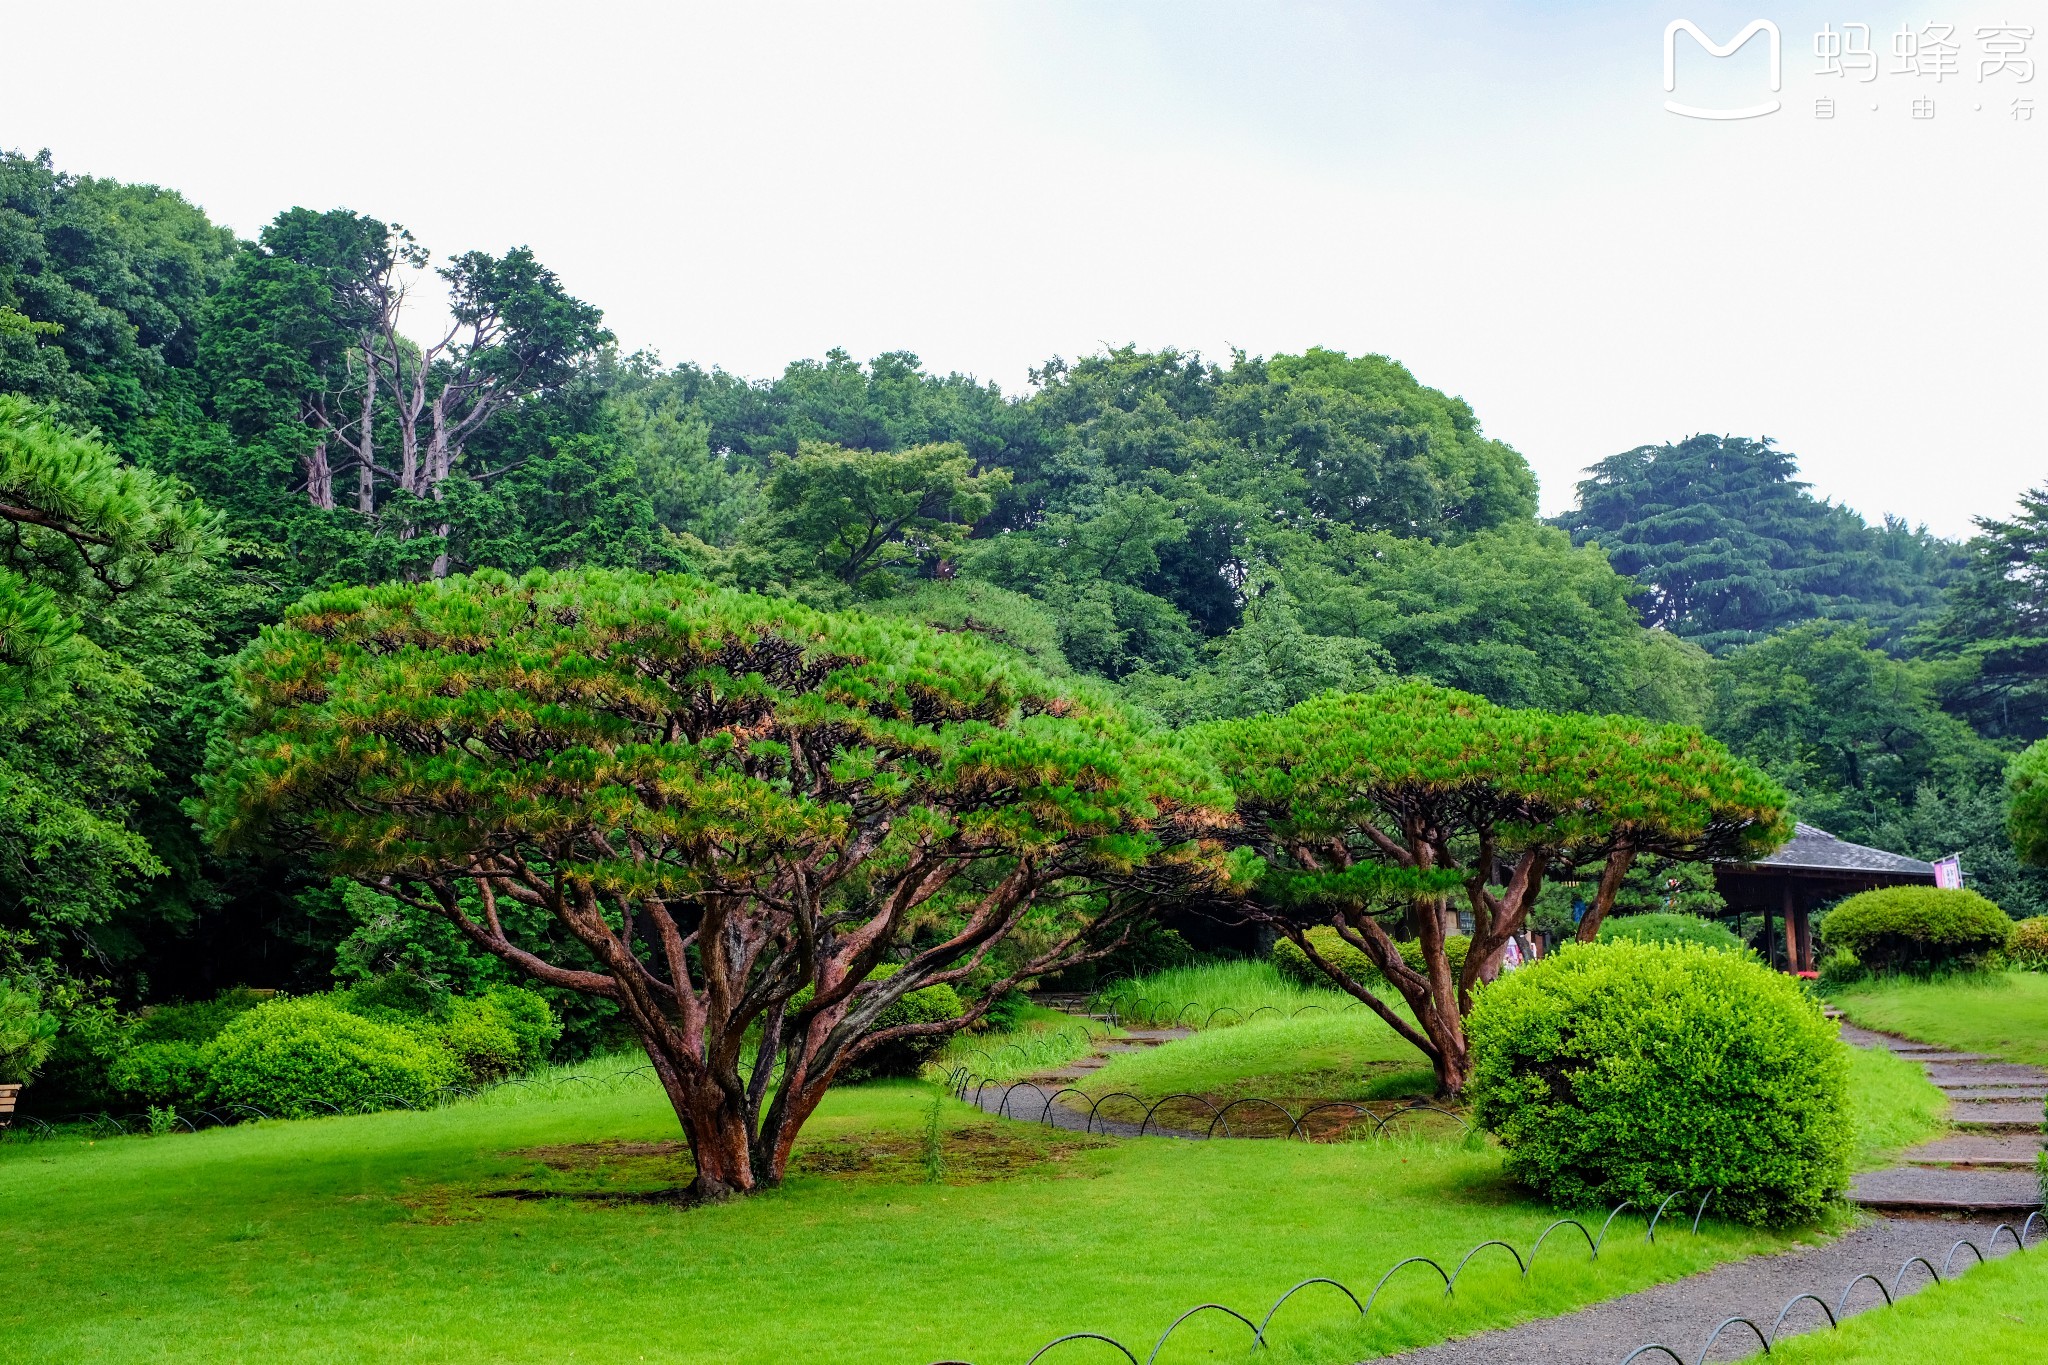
point(1618, 863)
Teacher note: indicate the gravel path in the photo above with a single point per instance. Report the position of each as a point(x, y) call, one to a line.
point(1682, 1314)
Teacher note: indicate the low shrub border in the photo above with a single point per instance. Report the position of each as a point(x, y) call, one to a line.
point(1917, 928)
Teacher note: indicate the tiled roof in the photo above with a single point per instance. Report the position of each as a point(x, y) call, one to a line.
point(1818, 850)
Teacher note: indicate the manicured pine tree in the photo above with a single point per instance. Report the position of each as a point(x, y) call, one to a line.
point(1371, 810)
point(726, 799)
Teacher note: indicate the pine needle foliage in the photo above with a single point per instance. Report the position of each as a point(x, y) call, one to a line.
point(1374, 809)
point(725, 798)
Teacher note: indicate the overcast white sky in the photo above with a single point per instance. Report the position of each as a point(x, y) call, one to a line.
point(1492, 193)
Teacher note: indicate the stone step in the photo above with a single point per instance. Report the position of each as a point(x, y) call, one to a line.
point(2017, 1151)
point(2017, 1094)
point(1986, 1073)
point(2015, 1118)
point(1925, 1189)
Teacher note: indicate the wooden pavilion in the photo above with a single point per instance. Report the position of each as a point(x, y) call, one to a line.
point(1812, 869)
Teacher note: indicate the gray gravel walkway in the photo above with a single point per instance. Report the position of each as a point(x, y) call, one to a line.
point(1682, 1314)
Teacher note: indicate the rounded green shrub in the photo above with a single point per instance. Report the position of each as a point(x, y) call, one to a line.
point(1295, 966)
point(1660, 927)
point(500, 1032)
point(2029, 947)
point(1917, 928)
point(480, 1040)
point(1633, 1071)
point(530, 1020)
point(170, 1073)
point(294, 1058)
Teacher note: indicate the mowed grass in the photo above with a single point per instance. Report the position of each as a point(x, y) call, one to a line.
point(1993, 1313)
point(1894, 1104)
point(383, 1238)
point(1323, 1056)
point(2001, 1014)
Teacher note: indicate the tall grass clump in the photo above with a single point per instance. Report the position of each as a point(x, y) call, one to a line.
point(1044, 1040)
point(1214, 994)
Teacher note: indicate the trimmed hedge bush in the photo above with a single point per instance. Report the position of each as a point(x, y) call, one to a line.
point(502, 1031)
point(1626, 1070)
point(171, 1073)
point(2029, 947)
point(294, 1058)
point(1294, 964)
point(1661, 927)
point(1917, 928)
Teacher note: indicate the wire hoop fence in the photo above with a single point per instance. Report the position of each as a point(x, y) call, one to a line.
point(1833, 1314)
point(1034, 1102)
point(1261, 1330)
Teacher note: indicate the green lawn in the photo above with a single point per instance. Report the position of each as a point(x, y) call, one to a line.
point(1896, 1106)
point(378, 1238)
point(1323, 1056)
point(1994, 1314)
point(2001, 1014)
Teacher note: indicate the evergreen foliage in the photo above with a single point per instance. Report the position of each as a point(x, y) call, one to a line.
point(1669, 928)
point(722, 797)
point(1635, 1071)
point(1728, 546)
point(309, 1056)
point(1917, 928)
point(1992, 640)
point(1389, 804)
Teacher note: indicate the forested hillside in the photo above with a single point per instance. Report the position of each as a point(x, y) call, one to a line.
point(195, 430)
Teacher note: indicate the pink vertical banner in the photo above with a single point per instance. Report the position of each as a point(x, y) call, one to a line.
point(1948, 872)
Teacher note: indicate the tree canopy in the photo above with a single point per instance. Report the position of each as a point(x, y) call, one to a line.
point(725, 799)
point(1726, 545)
point(1992, 640)
point(200, 430)
point(1390, 803)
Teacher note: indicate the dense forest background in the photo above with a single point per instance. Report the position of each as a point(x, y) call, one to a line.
point(247, 421)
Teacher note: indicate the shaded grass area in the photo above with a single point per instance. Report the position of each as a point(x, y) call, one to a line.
point(1045, 1039)
point(1895, 1106)
point(1997, 1312)
point(2000, 1014)
point(542, 1227)
point(1297, 1063)
point(1219, 994)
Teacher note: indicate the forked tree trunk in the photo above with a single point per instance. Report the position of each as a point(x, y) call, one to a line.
point(1611, 876)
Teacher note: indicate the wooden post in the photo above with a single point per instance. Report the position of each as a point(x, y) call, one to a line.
point(1791, 929)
